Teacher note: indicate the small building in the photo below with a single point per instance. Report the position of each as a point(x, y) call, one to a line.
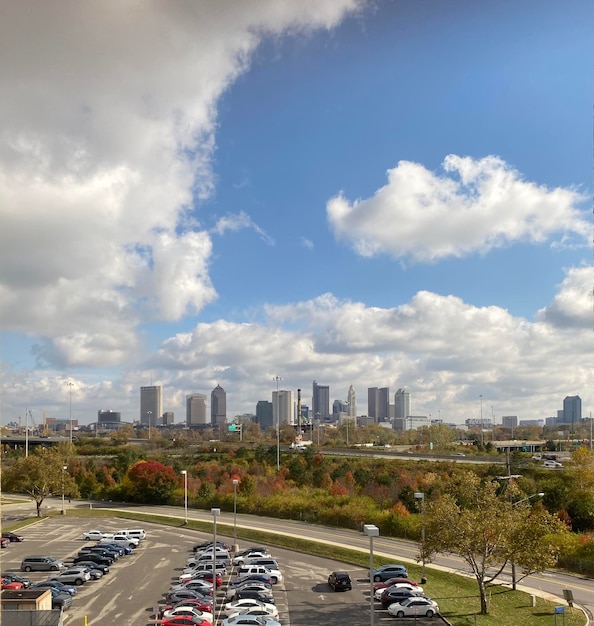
point(29, 606)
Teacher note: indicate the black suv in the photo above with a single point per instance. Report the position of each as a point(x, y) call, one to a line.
point(253, 594)
point(340, 581)
point(389, 596)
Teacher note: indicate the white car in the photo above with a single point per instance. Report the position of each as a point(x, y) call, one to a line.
point(411, 607)
point(94, 535)
point(189, 611)
point(378, 593)
point(242, 558)
point(266, 613)
point(249, 604)
point(186, 577)
point(122, 540)
point(274, 574)
point(249, 620)
point(196, 584)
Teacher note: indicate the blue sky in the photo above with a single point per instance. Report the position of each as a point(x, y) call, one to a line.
point(370, 193)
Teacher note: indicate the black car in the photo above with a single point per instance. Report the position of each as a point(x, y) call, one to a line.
point(12, 536)
point(340, 581)
point(208, 544)
point(104, 569)
point(26, 582)
point(89, 556)
point(261, 596)
point(186, 594)
point(389, 596)
point(60, 600)
point(99, 552)
point(121, 550)
point(254, 578)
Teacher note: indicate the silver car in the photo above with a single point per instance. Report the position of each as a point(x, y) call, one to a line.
point(73, 576)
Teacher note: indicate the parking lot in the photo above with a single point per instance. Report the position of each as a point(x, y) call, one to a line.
point(132, 591)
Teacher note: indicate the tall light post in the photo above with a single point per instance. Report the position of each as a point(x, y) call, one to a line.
point(149, 413)
point(185, 475)
point(277, 379)
point(215, 514)
point(420, 496)
point(64, 468)
point(235, 483)
point(70, 385)
point(318, 420)
point(371, 531)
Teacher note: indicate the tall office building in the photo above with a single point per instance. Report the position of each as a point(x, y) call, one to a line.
point(264, 414)
point(372, 402)
point(168, 418)
point(282, 407)
point(572, 410)
point(352, 400)
point(151, 405)
point(320, 402)
point(339, 409)
point(383, 406)
point(196, 409)
point(402, 403)
point(509, 421)
point(218, 406)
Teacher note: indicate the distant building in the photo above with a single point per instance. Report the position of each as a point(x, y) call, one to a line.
point(218, 406)
point(383, 406)
point(167, 419)
point(509, 421)
point(108, 418)
point(151, 405)
point(411, 422)
point(196, 410)
point(282, 407)
point(539, 423)
point(321, 402)
point(264, 414)
point(402, 403)
point(352, 400)
point(372, 402)
point(475, 422)
point(572, 410)
point(339, 409)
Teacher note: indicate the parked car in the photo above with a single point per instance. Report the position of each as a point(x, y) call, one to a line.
point(266, 613)
point(56, 584)
point(200, 547)
point(202, 586)
point(185, 620)
point(93, 558)
point(188, 611)
point(26, 582)
point(104, 569)
point(60, 599)
point(94, 535)
point(123, 549)
point(12, 536)
point(253, 552)
point(340, 581)
point(205, 576)
point(41, 564)
point(123, 540)
point(203, 605)
point(256, 578)
point(268, 562)
point(174, 597)
point(397, 595)
point(4, 542)
point(274, 574)
point(94, 572)
point(389, 571)
point(7, 583)
point(136, 533)
point(74, 575)
point(249, 585)
point(416, 589)
point(247, 604)
point(393, 581)
point(254, 594)
point(412, 607)
point(249, 620)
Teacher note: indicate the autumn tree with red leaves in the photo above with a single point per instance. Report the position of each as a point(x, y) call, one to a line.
point(150, 482)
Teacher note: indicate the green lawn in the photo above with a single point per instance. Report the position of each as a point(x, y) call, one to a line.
point(457, 596)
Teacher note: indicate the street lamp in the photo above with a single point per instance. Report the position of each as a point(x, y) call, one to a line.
point(215, 514)
point(371, 531)
point(419, 495)
point(64, 468)
point(185, 475)
point(149, 413)
point(70, 385)
point(318, 419)
point(277, 379)
point(235, 483)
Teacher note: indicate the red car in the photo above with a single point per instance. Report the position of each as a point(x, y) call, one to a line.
point(202, 605)
point(4, 542)
point(5, 584)
point(393, 581)
point(208, 577)
point(185, 620)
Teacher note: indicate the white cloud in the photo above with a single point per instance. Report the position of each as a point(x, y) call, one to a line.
point(475, 206)
point(307, 243)
point(573, 305)
point(109, 120)
point(238, 222)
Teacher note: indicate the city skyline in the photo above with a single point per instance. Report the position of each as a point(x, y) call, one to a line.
point(356, 192)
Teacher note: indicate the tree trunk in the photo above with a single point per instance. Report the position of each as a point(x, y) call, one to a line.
point(483, 594)
point(38, 505)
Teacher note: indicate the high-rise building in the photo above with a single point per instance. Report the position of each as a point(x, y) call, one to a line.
point(402, 403)
point(339, 409)
point(320, 402)
point(282, 407)
point(383, 406)
point(352, 400)
point(108, 417)
point(168, 418)
point(509, 421)
point(372, 402)
point(151, 405)
point(264, 414)
point(218, 406)
point(572, 410)
point(196, 410)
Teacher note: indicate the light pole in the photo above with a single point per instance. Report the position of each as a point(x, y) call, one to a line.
point(149, 413)
point(185, 475)
point(318, 420)
point(215, 514)
point(371, 531)
point(64, 468)
point(70, 385)
point(277, 379)
point(419, 495)
point(235, 483)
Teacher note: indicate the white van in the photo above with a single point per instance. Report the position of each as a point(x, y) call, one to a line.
point(136, 533)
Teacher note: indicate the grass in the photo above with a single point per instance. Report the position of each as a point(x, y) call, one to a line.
point(457, 596)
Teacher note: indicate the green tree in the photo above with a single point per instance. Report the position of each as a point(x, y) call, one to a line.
point(487, 532)
point(39, 475)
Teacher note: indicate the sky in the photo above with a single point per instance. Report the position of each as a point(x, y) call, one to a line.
point(389, 193)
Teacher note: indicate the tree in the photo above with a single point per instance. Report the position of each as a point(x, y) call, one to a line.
point(151, 482)
point(39, 475)
point(487, 532)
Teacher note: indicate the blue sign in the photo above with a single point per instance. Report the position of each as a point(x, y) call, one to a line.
point(559, 609)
